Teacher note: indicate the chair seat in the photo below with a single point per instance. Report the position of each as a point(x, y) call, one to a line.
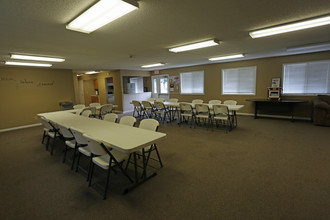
point(85, 151)
point(70, 143)
point(103, 161)
point(51, 134)
point(202, 116)
point(221, 117)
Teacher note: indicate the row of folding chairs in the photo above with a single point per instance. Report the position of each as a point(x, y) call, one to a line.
point(219, 115)
point(98, 153)
point(92, 111)
point(148, 109)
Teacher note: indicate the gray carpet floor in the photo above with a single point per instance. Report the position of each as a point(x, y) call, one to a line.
point(263, 169)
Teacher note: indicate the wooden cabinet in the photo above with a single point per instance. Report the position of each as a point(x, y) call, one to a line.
point(96, 84)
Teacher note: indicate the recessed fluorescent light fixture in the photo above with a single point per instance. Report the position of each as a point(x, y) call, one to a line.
point(310, 47)
point(227, 57)
point(195, 46)
point(28, 64)
point(153, 65)
point(92, 72)
point(29, 57)
point(100, 14)
point(300, 25)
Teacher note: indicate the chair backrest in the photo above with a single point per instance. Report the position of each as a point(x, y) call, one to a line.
point(147, 104)
point(149, 124)
point(230, 102)
point(94, 146)
point(159, 105)
point(65, 131)
point(79, 106)
point(94, 104)
point(86, 112)
point(151, 99)
point(111, 117)
point(78, 136)
point(173, 100)
point(185, 107)
point(45, 123)
point(220, 110)
point(127, 120)
point(202, 108)
point(136, 104)
point(107, 108)
point(215, 102)
point(160, 100)
point(197, 101)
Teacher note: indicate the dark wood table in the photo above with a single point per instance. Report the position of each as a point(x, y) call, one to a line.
point(283, 105)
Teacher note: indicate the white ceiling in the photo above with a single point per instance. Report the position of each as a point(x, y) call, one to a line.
point(145, 35)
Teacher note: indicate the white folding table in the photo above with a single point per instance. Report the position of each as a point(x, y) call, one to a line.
point(120, 137)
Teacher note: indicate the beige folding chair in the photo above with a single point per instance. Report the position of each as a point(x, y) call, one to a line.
point(70, 143)
point(160, 100)
point(197, 101)
point(186, 113)
point(49, 131)
point(203, 112)
point(215, 102)
point(221, 116)
point(111, 117)
point(105, 109)
point(105, 158)
point(151, 99)
point(138, 109)
point(148, 109)
point(152, 125)
point(82, 149)
point(79, 106)
point(230, 102)
point(161, 111)
point(127, 120)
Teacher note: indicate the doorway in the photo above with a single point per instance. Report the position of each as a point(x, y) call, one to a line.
point(160, 87)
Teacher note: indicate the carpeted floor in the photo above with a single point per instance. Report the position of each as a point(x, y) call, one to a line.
point(264, 169)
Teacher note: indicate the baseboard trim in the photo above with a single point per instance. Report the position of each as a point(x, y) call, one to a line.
point(20, 127)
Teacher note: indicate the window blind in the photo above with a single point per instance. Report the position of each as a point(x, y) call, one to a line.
point(192, 82)
point(306, 78)
point(240, 81)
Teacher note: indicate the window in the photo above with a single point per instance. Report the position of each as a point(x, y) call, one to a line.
point(306, 78)
point(163, 85)
point(192, 82)
point(239, 81)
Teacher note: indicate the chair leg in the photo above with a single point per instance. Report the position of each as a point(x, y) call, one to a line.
point(47, 144)
point(43, 137)
point(91, 175)
point(160, 161)
point(65, 151)
point(90, 166)
point(74, 156)
point(106, 185)
point(78, 160)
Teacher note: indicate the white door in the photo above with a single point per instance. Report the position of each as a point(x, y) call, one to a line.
point(160, 87)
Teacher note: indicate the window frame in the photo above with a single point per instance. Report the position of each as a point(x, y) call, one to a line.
point(203, 93)
point(243, 94)
point(302, 94)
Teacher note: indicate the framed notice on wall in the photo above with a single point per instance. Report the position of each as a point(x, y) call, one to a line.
point(276, 82)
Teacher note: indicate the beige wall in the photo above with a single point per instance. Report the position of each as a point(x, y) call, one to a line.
point(267, 68)
point(25, 92)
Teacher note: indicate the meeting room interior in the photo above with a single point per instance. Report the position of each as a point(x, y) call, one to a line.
point(145, 109)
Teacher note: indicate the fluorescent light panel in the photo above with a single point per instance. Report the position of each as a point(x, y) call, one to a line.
point(153, 65)
point(291, 27)
point(227, 57)
point(28, 57)
point(100, 14)
point(92, 72)
point(195, 46)
point(28, 64)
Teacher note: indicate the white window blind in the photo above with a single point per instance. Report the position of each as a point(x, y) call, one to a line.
point(192, 82)
point(239, 81)
point(306, 78)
